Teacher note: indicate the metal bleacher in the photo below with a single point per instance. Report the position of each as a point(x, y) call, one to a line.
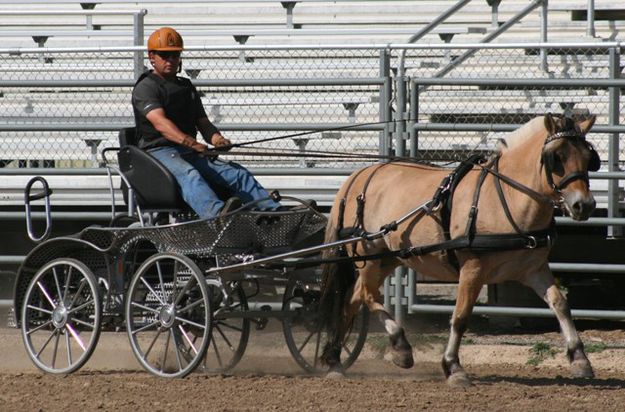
point(67, 23)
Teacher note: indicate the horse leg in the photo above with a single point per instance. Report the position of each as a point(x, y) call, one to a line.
point(368, 288)
point(544, 285)
point(469, 288)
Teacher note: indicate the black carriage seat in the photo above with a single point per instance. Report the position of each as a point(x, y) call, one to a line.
point(155, 188)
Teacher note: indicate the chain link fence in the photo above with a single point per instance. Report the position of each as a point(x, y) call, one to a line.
point(61, 108)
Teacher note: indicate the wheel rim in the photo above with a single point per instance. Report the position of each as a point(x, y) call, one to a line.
point(168, 315)
point(230, 333)
point(61, 316)
point(303, 335)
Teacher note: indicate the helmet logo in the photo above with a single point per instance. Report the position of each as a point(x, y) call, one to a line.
point(171, 40)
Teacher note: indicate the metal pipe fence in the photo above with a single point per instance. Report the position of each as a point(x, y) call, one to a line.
point(68, 106)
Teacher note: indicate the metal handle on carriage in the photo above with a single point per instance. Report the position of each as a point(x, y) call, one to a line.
point(28, 197)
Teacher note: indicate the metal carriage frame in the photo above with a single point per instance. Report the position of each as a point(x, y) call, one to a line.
point(187, 293)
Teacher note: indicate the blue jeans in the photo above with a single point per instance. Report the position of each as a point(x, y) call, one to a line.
point(195, 174)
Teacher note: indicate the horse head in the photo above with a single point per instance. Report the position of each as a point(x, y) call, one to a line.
point(567, 157)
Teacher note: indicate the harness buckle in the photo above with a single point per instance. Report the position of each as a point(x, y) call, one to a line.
point(532, 243)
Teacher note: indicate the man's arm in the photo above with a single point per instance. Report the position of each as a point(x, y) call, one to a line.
point(171, 132)
point(211, 134)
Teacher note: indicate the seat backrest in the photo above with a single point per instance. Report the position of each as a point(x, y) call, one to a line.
point(154, 186)
point(128, 137)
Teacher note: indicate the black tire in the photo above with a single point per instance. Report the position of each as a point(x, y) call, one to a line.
point(61, 316)
point(168, 315)
point(301, 328)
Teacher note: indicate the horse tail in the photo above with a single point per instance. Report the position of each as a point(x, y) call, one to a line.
point(338, 279)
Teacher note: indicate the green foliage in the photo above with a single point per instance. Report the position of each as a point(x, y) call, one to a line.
point(595, 347)
point(539, 352)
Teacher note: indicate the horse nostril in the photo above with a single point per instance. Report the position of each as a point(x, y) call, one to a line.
point(584, 207)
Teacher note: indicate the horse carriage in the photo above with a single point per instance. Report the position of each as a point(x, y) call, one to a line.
point(183, 291)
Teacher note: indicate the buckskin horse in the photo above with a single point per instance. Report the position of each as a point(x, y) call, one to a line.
point(485, 222)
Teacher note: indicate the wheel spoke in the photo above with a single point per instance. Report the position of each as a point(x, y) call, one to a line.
point(45, 344)
point(347, 349)
point(76, 337)
point(78, 308)
point(56, 347)
point(186, 287)
point(56, 283)
point(145, 282)
point(317, 345)
point(224, 337)
point(82, 285)
point(46, 311)
point(189, 322)
point(186, 337)
point(165, 352)
point(301, 348)
point(82, 322)
point(160, 278)
point(147, 352)
point(175, 276)
point(46, 294)
point(43, 325)
point(216, 350)
point(229, 326)
point(190, 306)
point(177, 349)
point(67, 281)
point(69, 350)
point(140, 306)
point(146, 327)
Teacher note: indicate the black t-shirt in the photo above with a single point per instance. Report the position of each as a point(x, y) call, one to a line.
point(178, 98)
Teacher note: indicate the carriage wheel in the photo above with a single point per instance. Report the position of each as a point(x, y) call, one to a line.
point(61, 316)
point(305, 339)
point(168, 315)
point(231, 330)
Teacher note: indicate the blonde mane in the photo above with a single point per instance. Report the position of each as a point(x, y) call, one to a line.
point(521, 134)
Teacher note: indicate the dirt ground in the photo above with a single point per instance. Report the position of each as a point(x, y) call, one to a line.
point(511, 368)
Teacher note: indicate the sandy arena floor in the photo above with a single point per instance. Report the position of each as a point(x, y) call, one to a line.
point(507, 376)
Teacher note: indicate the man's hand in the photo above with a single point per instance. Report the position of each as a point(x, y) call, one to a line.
point(220, 142)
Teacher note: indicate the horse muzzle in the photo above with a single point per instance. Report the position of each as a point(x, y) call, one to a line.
point(578, 206)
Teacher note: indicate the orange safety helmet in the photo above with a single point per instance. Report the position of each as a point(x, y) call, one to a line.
point(165, 39)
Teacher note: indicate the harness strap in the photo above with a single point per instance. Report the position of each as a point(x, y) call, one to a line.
point(470, 229)
point(361, 198)
point(568, 179)
point(487, 243)
point(504, 203)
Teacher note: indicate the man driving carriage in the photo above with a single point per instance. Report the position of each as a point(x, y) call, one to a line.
point(168, 114)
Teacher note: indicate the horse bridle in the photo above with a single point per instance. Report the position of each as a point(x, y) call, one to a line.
point(548, 161)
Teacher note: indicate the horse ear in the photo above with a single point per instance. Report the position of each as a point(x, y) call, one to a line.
point(550, 124)
point(586, 125)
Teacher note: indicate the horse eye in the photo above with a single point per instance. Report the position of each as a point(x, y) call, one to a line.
point(558, 163)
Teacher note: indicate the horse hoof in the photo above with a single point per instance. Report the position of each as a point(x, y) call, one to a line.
point(403, 359)
point(582, 369)
point(335, 375)
point(458, 380)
